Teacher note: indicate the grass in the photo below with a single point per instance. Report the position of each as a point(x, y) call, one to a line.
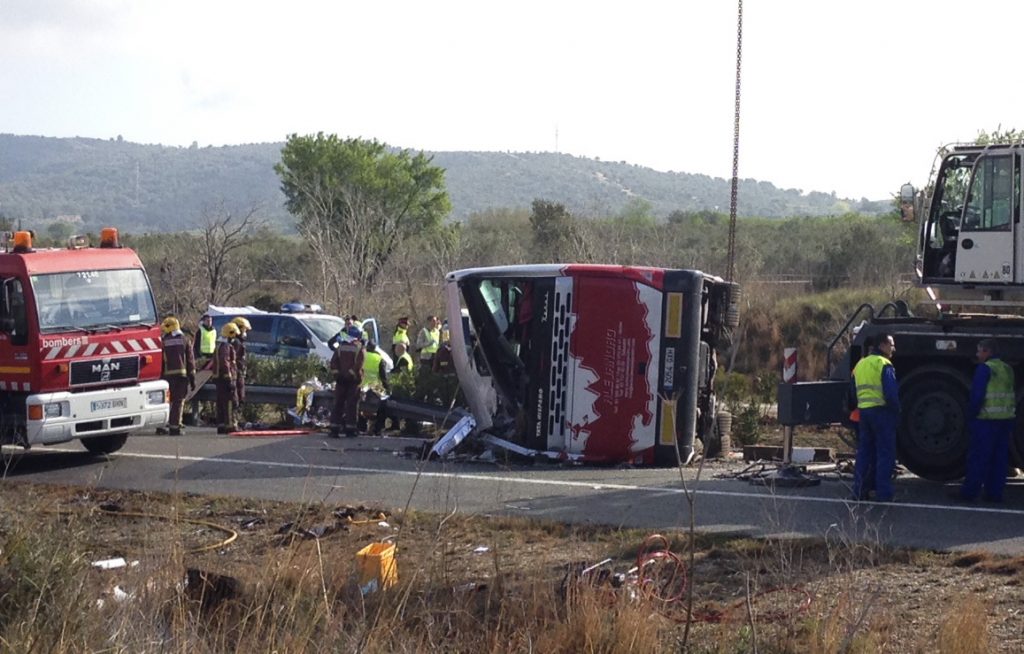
point(274, 589)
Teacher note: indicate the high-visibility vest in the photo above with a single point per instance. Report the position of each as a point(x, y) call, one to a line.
point(999, 401)
point(435, 342)
point(401, 336)
point(868, 377)
point(408, 361)
point(371, 370)
point(207, 340)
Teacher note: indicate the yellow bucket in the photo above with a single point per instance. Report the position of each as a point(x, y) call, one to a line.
point(377, 567)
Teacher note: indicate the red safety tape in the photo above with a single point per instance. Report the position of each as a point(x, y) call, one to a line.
point(255, 433)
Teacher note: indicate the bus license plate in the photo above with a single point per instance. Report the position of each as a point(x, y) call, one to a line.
point(107, 405)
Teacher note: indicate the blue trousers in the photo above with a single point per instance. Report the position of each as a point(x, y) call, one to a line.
point(876, 453)
point(988, 457)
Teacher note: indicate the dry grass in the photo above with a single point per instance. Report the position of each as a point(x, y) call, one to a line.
point(965, 628)
point(274, 589)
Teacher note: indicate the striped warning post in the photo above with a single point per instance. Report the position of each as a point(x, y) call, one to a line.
point(789, 365)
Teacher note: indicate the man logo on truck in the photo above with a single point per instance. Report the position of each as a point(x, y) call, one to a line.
point(105, 368)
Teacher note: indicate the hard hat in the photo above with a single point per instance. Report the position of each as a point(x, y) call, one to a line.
point(242, 323)
point(230, 330)
point(170, 324)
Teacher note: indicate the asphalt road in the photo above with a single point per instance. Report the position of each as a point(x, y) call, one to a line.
point(376, 472)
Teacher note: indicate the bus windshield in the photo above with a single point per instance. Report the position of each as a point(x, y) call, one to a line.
point(93, 299)
point(498, 310)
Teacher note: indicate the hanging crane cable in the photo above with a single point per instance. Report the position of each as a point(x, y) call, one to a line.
point(731, 266)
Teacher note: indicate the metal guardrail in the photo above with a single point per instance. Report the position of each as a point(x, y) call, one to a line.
point(395, 408)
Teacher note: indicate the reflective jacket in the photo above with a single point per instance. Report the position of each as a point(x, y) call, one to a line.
point(178, 359)
point(999, 399)
point(347, 362)
point(428, 341)
point(404, 362)
point(401, 336)
point(875, 381)
point(206, 341)
point(375, 374)
point(224, 360)
point(239, 345)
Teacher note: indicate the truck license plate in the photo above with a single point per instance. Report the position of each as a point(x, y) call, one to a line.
point(106, 405)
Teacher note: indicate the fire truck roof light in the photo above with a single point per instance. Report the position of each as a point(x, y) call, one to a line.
point(108, 238)
point(22, 241)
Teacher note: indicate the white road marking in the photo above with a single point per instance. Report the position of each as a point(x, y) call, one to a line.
point(587, 485)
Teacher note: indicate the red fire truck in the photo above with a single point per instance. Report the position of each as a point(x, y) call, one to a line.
point(80, 349)
point(590, 363)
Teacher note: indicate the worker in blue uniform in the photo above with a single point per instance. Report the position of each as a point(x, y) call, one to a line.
point(877, 392)
point(991, 411)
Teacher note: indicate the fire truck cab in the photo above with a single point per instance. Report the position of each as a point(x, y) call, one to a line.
point(80, 347)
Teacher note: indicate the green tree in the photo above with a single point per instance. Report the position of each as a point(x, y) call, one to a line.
point(356, 201)
point(999, 135)
point(555, 233)
point(637, 212)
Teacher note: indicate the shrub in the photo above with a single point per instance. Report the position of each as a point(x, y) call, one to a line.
point(280, 371)
point(749, 398)
point(425, 385)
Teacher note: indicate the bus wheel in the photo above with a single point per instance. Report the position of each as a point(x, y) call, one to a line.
point(932, 439)
point(105, 444)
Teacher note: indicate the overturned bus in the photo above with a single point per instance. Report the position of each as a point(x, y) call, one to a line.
point(591, 363)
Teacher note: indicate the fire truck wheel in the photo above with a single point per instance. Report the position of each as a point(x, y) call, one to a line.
point(105, 444)
point(932, 438)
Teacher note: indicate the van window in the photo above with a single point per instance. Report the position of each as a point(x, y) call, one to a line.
point(262, 329)
point(324, 327)
point(290, 333)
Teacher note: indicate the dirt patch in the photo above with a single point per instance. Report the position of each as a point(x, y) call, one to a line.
point(526, 581)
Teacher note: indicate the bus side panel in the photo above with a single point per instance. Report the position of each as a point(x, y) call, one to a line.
point(614, 357)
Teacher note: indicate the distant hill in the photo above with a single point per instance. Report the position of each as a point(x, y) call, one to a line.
point(158, 188)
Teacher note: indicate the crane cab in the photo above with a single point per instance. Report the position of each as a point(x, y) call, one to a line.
point(971, 243)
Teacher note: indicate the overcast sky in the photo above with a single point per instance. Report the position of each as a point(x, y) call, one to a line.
point(852, 97)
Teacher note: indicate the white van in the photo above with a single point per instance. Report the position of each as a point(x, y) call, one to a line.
point(289, 333)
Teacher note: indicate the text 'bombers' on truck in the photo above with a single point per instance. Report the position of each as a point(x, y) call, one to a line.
point(80, 349)
point(590, 363)
point(970, 256)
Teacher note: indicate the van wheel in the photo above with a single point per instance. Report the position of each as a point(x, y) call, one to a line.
point(105, 444)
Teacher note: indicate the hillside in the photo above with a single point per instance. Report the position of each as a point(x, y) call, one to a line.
point(159, 188)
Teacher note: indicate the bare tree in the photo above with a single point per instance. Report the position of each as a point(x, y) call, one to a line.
point(225, 238)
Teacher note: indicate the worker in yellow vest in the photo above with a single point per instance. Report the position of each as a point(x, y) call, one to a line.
point(874, 384)
point(375, 381)
point(403, 360)
point(401, 336)
point(992, 414)
point(429, 340)
point(205, 343)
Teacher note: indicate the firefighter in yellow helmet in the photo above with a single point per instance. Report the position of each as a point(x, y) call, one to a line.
point(243, 328)
point(224, 376)
point(179, 370)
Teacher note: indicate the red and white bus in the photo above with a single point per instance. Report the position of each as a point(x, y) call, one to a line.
point(590, 363)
